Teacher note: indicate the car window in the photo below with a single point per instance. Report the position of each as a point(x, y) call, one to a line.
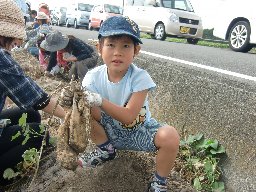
point(178, 4)
point(138, 2)
point(85, 7)
point(112, 9)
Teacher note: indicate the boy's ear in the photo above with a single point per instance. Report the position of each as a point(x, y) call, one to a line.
point(137, 50)
point(98, 49)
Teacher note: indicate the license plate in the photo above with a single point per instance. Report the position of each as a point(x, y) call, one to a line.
point(184, 29)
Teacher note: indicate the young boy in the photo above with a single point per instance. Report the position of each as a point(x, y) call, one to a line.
point(117, 92)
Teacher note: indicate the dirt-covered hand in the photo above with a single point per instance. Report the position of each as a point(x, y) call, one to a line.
point(66, 97)
point(93, 99)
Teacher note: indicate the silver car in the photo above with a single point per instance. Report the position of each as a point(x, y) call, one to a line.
point(78, 15)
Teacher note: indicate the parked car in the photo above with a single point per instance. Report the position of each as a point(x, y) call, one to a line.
point(162, 18)
point(236, 23)
point(58, 16)
point(101, 12)
point(78, 14)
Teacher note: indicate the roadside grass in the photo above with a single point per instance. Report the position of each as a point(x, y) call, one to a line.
point(203, 42)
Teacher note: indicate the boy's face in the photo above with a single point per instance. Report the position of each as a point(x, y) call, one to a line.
point(118, 53)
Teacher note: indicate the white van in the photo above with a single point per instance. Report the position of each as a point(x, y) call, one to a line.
point(162, 18)
point(78, 14)
point(236, 23)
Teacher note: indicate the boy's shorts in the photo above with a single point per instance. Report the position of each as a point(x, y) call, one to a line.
point(139, 139)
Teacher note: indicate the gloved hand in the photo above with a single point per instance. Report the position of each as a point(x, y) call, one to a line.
point(66, 97)
point(93, 99)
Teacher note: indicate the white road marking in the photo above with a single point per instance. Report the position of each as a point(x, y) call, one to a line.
point(247, 77)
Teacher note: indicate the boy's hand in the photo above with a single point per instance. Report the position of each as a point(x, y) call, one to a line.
point(93, 99)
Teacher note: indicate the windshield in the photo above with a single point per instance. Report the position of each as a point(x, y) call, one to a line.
point(178, 4)
point(85, 7)
point(112, 9)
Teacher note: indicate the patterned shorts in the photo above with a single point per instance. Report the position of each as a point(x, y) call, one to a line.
point(139, 139)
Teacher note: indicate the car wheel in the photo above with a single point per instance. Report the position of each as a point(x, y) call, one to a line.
point(160, 32)
point(239, 37)
point(67, 23)
point(192, 41)
point(75, 24)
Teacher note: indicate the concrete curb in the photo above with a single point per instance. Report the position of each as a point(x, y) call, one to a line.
point(218, 106)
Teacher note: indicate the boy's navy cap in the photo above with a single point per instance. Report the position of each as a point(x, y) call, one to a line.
point(119, 25)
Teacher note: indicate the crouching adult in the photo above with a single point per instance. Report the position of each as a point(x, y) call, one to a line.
point(82, 55)
point(22, 90)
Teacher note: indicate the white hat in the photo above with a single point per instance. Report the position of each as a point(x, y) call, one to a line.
point(12, 23)
point(41, 15)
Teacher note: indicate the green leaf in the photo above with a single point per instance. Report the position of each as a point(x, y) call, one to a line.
point(208, 166)
point(194, 138)
point(16, 135)
point(218, 187)
point(9, 174)
point(197, 184)
point(220, 150)
point(214, 144)
point(42, 128)
point(198, 137)
point(27, 137)
point(182, 143)
point(23, 120)
point(53, 141)
point(202, 144)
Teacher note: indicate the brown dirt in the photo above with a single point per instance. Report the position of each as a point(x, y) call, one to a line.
point(130, 171)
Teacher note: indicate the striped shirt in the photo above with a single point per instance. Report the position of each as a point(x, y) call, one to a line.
point(21, 89)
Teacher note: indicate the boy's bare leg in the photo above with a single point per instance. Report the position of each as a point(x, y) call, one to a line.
point(167, 140)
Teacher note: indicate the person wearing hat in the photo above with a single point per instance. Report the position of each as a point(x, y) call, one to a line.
point(35, 34)
point(117, 93)
point(22, 90)
point(82, 55)
point(43, 54)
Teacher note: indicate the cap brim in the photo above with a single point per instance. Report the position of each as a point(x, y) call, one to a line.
point(119, 32)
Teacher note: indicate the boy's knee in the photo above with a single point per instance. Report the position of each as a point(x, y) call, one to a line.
point(167, 135)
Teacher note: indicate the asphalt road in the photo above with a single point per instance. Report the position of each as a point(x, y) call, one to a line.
point(241, 65)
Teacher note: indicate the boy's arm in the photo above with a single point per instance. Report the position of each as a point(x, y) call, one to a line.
point(125, 115)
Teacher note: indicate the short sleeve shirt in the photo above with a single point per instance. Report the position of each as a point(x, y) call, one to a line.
point(135, 80)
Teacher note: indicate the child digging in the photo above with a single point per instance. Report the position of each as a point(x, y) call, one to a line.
point(117, 94)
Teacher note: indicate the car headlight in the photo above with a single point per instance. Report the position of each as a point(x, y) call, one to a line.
point(174, 18)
